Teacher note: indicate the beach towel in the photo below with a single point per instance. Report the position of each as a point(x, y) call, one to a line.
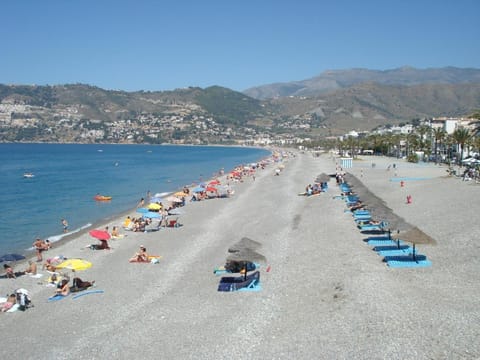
point(87, 292)
point(14, 308)
point(56, 297)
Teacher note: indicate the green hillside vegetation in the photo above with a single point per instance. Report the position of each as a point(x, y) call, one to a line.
point(229, 107)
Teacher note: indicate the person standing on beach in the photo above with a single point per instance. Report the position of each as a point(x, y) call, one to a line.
point(141, 203)
point(40, 246)
point(65, 225)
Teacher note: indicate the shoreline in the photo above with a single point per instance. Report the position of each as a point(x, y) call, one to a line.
point(325, 291)
point(21, 237)
point(111, 220)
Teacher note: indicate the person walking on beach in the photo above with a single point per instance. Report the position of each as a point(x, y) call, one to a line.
point(65, 225)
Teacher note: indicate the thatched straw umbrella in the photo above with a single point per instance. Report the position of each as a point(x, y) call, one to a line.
point(416, 236)
point(246, 255)
point(322, 178)
point(244, 243)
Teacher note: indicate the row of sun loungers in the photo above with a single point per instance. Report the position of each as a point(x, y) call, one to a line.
point(396, 253)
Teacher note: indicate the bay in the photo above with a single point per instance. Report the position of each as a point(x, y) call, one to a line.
point(66, 177)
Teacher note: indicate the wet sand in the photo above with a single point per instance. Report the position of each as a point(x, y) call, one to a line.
point(327, 294)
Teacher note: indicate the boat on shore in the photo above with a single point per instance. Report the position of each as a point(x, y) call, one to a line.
point(99, 197)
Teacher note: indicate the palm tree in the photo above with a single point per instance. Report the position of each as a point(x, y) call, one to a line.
point(461, 137)
point(476, 117)
point(439, 135)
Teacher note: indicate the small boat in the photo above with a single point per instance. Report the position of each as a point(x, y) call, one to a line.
point(102, 198)
point(28, 175)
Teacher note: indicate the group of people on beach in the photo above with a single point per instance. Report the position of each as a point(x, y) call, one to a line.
point(30, 270)
point(61, 281)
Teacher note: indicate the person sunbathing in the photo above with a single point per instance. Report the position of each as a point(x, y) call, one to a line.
point(9, 271)
point(31, 269)
point(141, 256)
point(63, 288)
point(48, 265)
point(115, 233)
point(102, 246)
point(7, 305)
point(79, 284)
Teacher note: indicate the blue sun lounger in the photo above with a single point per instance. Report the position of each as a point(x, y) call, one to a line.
point(361, 218)
point(240, 283)
point(393, 250)
point(361, 212)
point(407, 261)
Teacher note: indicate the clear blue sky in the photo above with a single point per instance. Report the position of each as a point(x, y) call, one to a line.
point(162, 45)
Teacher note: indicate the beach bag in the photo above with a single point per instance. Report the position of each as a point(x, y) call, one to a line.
point(23, 299)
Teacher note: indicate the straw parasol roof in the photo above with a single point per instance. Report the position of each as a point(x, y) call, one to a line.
point(380, 211)
point(416, 236)
point(322, 178)
point(247, 255)
point(244, 243)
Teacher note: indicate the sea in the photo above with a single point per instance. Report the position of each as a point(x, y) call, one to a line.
point(66, 177)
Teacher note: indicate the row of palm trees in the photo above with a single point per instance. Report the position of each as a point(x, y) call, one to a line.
point(435, 143)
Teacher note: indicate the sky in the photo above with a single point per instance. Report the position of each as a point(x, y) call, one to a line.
point(156, 45)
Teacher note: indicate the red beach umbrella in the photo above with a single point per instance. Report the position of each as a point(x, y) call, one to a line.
point(100, 234)
point(211, 189)
point(214, 182)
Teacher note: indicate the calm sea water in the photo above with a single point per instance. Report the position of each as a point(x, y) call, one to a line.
point(67, 177)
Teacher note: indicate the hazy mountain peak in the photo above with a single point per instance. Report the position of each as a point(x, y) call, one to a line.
point(331, 80)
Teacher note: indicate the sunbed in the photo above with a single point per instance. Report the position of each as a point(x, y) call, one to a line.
point(240, 283)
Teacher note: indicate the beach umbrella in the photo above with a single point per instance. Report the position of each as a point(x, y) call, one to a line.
point(246, 255)
point(152, 215)
point(211, 189)
point(142, 210)
point(11, 257)
point(198, 189)
point(244, 243)
point(180, 194)
point(416, 236)
point(100, 234)
point(174, 199)
point(214, 182)
point(74, 265)
point(154, 207)
point(322, 178)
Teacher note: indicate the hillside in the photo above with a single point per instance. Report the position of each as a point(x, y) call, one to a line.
point(84, 113)
point(333, 80)
point(366, 106)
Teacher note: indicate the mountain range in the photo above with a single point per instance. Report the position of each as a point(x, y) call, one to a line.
point(332, 103)
point(333, 80)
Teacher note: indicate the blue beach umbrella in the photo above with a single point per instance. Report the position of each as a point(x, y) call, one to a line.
point(152, 215)
point(11, 257)
point(198, 189)
point(142, 210)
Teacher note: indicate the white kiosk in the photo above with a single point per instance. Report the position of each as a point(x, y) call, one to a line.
point(346, 163)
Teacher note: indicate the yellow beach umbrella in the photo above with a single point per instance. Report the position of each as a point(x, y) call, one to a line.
point(154, 206)
point(180, 194)
point(74, 264)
